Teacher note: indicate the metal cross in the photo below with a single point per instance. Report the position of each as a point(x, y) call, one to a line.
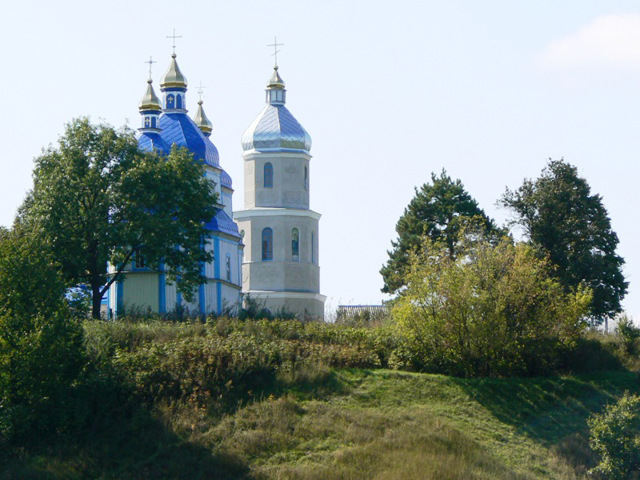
point(275, 46)
point(174, 36)
point(150, 62)
point(200, 91)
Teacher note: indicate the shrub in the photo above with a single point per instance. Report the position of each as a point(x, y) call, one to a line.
point(628, 333)
point(41, 346)
point(615, 437)
point(492, 310)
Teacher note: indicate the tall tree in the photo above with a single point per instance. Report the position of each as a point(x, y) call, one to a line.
point(569, 224)
point(439, 210)
point(41, 345)
point(96, 199)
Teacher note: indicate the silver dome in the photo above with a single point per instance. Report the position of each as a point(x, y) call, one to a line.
point(275, 128)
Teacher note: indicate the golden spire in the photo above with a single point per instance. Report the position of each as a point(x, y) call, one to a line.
point(150, 101)
point(200, 119)
point(276, 80)
point(173, 77)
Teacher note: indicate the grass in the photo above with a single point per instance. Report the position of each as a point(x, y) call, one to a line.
point(277, 400)
point(365, 424)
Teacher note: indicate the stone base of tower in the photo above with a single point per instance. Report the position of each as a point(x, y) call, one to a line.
point(301, 304)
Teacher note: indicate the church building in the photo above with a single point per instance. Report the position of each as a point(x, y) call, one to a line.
point(268, 252)
point(280, 232)
point(165, 123)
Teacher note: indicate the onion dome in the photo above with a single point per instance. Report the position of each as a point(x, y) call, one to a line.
point(276, 80)
point(275, 128)
point(202, 121)
point(173, 78)
point(150, 101)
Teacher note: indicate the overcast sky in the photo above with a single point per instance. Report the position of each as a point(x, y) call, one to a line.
point(388, 91)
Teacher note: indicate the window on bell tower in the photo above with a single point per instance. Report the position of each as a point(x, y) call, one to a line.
point(267, 244)
point(295, 245)
point(268, 175)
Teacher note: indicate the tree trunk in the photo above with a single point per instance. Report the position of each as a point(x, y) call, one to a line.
point(96, 296)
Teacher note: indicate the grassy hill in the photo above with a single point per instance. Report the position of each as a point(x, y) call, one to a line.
point(159, 404)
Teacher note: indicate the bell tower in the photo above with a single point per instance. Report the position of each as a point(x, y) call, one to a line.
point(280, 232)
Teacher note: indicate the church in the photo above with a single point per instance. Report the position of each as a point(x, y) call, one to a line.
point(269, 251)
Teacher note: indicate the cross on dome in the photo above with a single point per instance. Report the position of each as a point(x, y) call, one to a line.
point(173, 37)
point(151, 61)
point(275, 46)
point(200, 92)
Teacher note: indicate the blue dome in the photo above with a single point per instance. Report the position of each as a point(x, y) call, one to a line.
point(225, 179)
point(178, 128)
point(275, 128)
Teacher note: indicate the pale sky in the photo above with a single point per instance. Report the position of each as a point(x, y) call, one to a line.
point(388, 91)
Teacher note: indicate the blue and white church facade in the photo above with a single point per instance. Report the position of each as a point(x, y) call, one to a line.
point(165, 123)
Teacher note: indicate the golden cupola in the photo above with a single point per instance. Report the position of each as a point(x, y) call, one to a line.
point(201, 120)
point(150, 101)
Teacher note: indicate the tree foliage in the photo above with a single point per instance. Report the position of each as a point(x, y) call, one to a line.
point(615, 437)
point(492, 310)
point(41, 346)
point(439, 210)
point(97, 198)
point(564, 221)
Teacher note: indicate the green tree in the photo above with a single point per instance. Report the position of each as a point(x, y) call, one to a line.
point(439, 210)
point(97, 199)
point(492, 310)
point(615, 437)
point(564, 221)
point(41, 346)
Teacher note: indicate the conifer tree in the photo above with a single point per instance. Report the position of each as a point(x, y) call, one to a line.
point(439, 210)
point(570, 225)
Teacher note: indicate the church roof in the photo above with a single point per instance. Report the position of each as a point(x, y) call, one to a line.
point(275, 128)
point(178, 128)
point(221, 222)
point(152, 141)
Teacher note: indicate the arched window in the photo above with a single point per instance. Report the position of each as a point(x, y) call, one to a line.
point(138, 259)
point(147, 122)
point(267, 244)
point(178, 101)
point(313, 247)
point(171, 100)
point(306, 178)
point(295, 245)
point(228, 267)
point(268, 175)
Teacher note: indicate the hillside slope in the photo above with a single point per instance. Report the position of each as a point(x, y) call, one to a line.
point(350, 424)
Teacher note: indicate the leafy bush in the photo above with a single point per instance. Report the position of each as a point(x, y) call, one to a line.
point(492, 310)
point(220, 361)
point(628, 333)
point(41, 346)
point(615, 437)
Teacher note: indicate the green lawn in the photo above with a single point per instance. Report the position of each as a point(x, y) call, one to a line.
point(352, 424)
